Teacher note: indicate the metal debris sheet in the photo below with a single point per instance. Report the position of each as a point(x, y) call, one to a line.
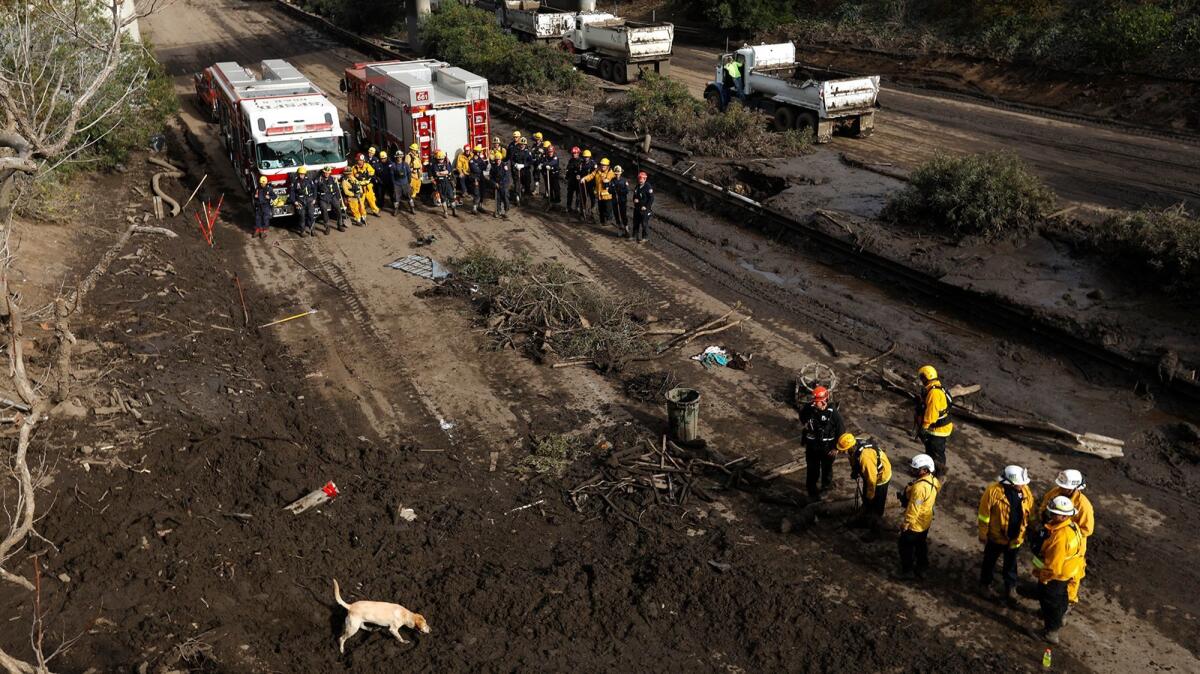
point(425, 267)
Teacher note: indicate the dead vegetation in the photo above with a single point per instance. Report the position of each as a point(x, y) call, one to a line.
point(550, 455)
point(1162, 243)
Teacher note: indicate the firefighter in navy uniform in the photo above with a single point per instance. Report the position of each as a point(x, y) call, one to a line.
point(522, 168)
point(376, 160)
point(537, 152)
point(822, 425)
point(479, 170)
point(587, 195)
point(643, 207)
point(573, 174)
point(551, 171)
point(384, 186)
point(443, 178)
point(264, 207)
point(397, 174)
point(501, 178)
point(329, 199)
point(620, 201)
point(304, 198)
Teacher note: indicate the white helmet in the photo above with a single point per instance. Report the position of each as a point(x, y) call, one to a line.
point(922, 461)
point(1070, 479)
point(1061, 505)
point(1015, 475)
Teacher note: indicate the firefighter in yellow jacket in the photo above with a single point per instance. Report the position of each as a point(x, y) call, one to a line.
point(870, 464)
point(353, 191)
point(415, 166)
point(1004, 512)
point(1060, 559)
point(933, 426)
point(918, 499)
point(1070, 484)
point(601, 177)
point(365, 175)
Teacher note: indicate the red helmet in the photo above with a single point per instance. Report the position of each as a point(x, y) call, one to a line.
point(820, 392)
point(467, 147)
point(575, 150)
point(360, 157)
point(642, 176)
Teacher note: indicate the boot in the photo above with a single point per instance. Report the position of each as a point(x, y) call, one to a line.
point(341, 226)
point(1050, 636)
point(301, 234)
point(412, 207)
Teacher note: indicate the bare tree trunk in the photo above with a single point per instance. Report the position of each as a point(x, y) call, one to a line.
point(66, 342)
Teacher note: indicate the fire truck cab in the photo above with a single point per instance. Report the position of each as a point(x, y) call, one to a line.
point(394, 104)
point(272, 125)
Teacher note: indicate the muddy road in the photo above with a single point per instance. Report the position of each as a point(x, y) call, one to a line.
point(1085, 164)
point(396, 397)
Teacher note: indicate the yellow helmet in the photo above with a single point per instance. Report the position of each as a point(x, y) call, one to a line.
point(604, 162)
point(441, 154)
point(262, 180)
point(537, 136)
point(371, 150)
point(927, 373)
point(479, 148)
point(587, 153)
point(546, 143)
point(516, 134)
point(414, 147)
point(383, 155)
point(302, 170)
point(846, 441)
point(497, 155)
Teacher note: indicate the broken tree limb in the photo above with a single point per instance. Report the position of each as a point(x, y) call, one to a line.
point(147, 229)
point(890, 350)
point(959, 391)
point(101, 267)
point(786, 469)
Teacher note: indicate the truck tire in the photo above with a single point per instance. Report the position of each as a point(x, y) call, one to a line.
point(713, 98)
point(785, 118)
point(606, 70)
point(620, 73)
point(806, 122)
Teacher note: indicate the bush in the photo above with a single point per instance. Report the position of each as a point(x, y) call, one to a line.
point(992, 195)
point(662, 107)
point(377, 16)
point(550, 455)
point(469, 38)
point(1164, 242)
point(143, 116)
point(1123, 34)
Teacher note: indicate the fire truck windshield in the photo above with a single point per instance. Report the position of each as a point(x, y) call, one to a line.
point(288, 153)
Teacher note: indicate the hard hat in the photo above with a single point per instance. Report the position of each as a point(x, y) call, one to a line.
point(327, 169)
point(262, 180)
point(1015, 475)
point(537, 136)
point(922, 461)
point(642, 175)
point(575, 150)
point(371, 150)
point(302, 170)
point(479, 148)
point(360, 157)
point(846, 441)
point(604, 162)
point(546, 143)
point(522, 141)
point(516, 134)
point(441, 154)
point(820, 393)
point(383, 155)
point(414, 147)
point(618, 170)
point(467, 147)
point(1061, 505)
point(1070, 479)
point(927, 373)
point(587, 153)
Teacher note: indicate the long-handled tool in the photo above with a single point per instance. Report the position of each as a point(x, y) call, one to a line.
point(289, 318)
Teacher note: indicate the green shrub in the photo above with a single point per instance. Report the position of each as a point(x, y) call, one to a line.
point(142, 116)
point(469, 38)
point(1164, 242)
point(1127, 33)
point(550, 455)
point(992, 195)
point(375, 16)
point(662, 107)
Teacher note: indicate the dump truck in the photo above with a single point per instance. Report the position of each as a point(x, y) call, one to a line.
point(393, 104)
point(774, 82)
point(534, 22)
point(273, 124)
point(619, 50)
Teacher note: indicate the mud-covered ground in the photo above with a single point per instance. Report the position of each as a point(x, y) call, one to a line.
point(180, 556)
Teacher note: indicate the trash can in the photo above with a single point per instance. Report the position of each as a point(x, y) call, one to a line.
point(683, 414)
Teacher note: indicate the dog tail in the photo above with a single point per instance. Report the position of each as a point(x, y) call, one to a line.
point(337, 594)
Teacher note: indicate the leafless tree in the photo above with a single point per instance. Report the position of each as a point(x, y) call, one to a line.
point(59, 88)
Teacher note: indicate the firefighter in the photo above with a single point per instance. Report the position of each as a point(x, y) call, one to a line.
point(329, 198)
point(479, 170)
point(498, 146)
point(442, 173)
point(1003, 517)
point(397, 174)
point(462, 172)
point(1060, 560)
point(932, 425)
point(551, 172)
point(643, 207)
point(501, 178)
point(364, 173)
point(376, 159)
point(522, 167)
point(620, 202)
point(600, 180)
point(264, 207)
point(384, 185)
point(574, 189)
point(871, 465)
point(515, 143)
point(353, 191)
point(303, 193)
point(918, 499)
point(587, 196)
point(415, 164)
point(537, 152)
point(1069, 483)
point(821, 425)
